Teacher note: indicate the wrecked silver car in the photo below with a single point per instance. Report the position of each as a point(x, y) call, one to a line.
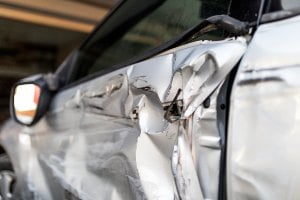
point(166, 99)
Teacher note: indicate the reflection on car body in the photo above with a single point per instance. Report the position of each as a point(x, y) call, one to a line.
point(190, 118)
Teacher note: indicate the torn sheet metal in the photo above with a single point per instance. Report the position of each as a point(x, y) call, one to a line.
point(264, 133)
point(125, 136)
point(184, 169)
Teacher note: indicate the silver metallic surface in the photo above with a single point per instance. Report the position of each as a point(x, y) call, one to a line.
point(109, 138)
point(264, 133)
point(196, 157)
point(6, 185)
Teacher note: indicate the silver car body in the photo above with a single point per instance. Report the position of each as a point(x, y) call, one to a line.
point(109, 137)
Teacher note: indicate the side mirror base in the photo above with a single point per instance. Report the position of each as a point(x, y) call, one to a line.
point(31, 97)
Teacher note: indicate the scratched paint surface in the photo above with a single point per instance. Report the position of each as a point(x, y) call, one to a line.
point(140, 132)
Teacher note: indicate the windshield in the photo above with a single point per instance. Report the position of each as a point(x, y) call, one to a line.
point(138, 26)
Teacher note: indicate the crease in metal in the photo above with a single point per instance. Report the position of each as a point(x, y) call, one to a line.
point(109, 137)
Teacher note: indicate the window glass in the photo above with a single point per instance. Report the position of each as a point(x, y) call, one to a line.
point(138, 26)
point(167, 21)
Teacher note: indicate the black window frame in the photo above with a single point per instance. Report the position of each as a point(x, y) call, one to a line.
point(67, 69)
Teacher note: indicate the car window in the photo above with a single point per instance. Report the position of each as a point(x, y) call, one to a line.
point(167, 21)
point(141, 25)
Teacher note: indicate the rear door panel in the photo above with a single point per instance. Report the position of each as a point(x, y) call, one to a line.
point(264, 132)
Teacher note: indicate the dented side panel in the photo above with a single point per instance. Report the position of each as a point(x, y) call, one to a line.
point(140, 132)
point(264, 132)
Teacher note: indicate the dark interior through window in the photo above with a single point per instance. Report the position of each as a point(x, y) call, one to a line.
point(140, 25)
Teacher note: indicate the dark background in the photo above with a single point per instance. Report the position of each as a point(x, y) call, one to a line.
point(36, 36)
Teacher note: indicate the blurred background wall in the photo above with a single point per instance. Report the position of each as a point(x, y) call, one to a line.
point(36, 35)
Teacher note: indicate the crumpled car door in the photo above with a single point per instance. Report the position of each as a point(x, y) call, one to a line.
point(144, 131)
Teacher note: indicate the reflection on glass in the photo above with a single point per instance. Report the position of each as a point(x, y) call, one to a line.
point(26, 98)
